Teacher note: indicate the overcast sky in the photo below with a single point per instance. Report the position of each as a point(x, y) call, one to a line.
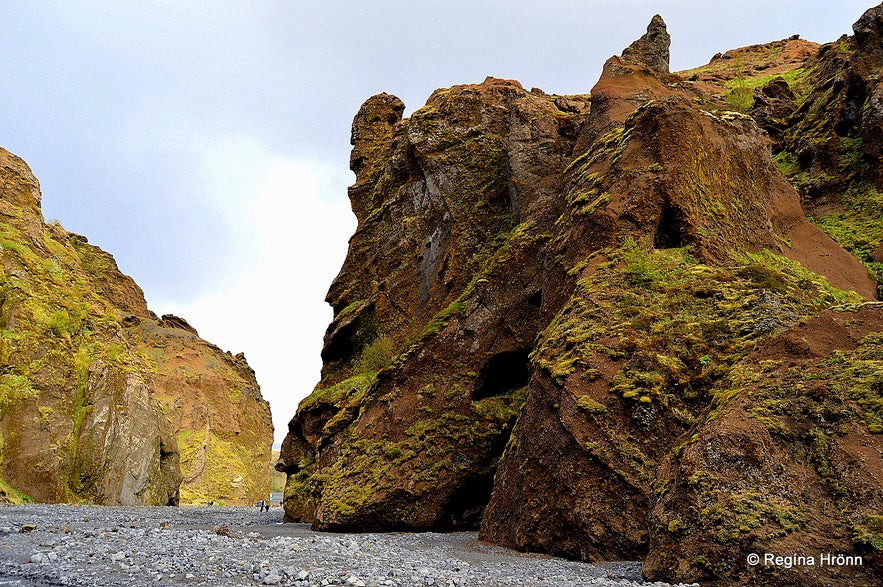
point(205, 144)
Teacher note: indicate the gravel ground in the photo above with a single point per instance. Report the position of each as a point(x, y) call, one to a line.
point(220, 546)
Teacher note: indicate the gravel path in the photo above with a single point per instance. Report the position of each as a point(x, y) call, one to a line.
point(93, 546)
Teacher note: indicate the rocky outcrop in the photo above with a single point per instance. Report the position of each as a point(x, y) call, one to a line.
point(822, 115)
point(548, 322)
point(613, 391)
point(791, 464)
point(426, 361)
point(99, 400)
point(652, 49)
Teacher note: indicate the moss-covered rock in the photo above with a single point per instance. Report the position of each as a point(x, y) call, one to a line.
point(95, 390)
point(549, 311)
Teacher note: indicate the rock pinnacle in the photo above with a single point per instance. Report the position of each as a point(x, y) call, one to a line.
point(652, 49)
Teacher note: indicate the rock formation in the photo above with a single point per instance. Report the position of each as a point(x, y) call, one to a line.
point(601, 328)
point(99, 400)
point(652, 49)
point(426, 361)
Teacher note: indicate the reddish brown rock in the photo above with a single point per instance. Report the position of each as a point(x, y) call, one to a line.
point(545, 302)
point(789, 464)
point(426, 359)
point(100, 401)
point(673, 176)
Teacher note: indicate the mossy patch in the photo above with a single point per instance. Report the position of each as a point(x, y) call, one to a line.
point(740, 514)
point(11, 496)
point(432, 450)
point(590, 406)
point(673, 324)
point(869, 533)
point(858, 226)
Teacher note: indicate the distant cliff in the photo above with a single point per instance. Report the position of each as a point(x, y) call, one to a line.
point(100, 400)
point(604, 327)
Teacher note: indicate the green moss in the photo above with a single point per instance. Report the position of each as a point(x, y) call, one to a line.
point(869, 533)
point(15, 387)
point(743, 512)
point(366, 467)
point(676, 525)
point(208, 476)
point(440, 320)
point(858, 226)
point(353, 387)
point(12, 496)
point(591, 406)
point(608, 147)
point(376, 355)
point(675, 326)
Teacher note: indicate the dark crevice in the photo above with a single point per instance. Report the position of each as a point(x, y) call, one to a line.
point(671, 232)
point(502, 374)
point(536, 299)
point(464, 509)
point(339, 343)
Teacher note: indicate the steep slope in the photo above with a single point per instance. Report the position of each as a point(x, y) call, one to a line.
point(820, 105)
point(789, 462)
point(100, 400)
point(426, 359)
point(586, 282)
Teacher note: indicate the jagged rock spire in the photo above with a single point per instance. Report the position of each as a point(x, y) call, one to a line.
point(869, 29)
point(652, 49)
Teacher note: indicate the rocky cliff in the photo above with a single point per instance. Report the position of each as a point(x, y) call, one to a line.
point(100, 400)
point(603, 326)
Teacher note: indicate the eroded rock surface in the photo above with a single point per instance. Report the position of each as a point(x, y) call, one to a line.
point(99, 400)
point(550, 300)
point(652, 49)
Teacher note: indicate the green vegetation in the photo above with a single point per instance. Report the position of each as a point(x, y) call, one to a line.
point(591, 406)
point(676, 325)
point(850, 378)
point(65, 350)
point(858, 226)
point(352, 389)
point(869, 533)
point(366, 467)
point(740, 95)
point(738, 514)
point(10, 495)
point(15, 387)
point(208, 476)
point(739, 92)
point(377, 355)
point(608, 147)
point(803, 181)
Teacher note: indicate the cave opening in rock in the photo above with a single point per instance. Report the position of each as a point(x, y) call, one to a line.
point(502, 374)
point(536, 299)
point(465, 507)
point(671, 232)
point(339, 344)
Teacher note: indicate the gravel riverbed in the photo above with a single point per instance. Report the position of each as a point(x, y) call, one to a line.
point(220, 546)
